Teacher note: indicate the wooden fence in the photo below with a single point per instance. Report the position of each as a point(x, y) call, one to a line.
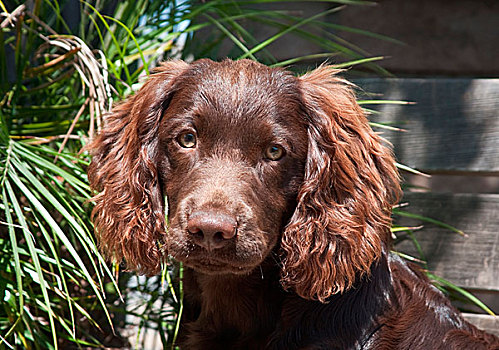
point(452, 131)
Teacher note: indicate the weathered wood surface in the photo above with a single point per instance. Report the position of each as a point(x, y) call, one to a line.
point(440, 36)
point(486, 322)
point(454, 125)
point(471, 261)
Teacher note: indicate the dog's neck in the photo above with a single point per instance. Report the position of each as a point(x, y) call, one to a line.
point(235, 309)
point(233, 300)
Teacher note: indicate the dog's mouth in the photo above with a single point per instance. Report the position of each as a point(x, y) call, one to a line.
point(215, 266)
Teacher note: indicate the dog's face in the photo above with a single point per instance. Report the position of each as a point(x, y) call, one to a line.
point(232, 149)
point(250, 158)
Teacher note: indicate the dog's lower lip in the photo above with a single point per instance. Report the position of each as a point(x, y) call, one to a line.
point(214, 264)
point(209, 262)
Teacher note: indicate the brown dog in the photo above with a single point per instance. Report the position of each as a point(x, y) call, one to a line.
point(279, 198)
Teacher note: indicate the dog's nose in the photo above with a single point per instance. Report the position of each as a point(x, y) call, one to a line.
point(211, 230)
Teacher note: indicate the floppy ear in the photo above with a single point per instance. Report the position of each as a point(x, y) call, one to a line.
point(129, 210)
point(342, 219)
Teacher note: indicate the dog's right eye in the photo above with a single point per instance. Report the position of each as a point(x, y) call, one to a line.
point(187, 140)
point(274, 152)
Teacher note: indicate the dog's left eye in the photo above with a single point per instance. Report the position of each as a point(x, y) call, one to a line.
point(274, 152)
point(187, 140)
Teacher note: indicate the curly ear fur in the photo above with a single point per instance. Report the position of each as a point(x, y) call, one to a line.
point(342, 219)
point(129, 210)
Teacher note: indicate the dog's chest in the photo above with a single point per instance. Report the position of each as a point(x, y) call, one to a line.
point(235, 313)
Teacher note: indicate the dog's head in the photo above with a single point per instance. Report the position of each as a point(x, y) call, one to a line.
point(247, 161)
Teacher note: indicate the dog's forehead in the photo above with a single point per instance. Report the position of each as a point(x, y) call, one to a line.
point(238, 91)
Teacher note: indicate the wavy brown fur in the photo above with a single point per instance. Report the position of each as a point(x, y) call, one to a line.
point(279, 200)
point(129, 214)
point(344, 203)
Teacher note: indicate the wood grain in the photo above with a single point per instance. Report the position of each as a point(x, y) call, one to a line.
point(486, 322)
point(454, 125)
point(471, 261)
